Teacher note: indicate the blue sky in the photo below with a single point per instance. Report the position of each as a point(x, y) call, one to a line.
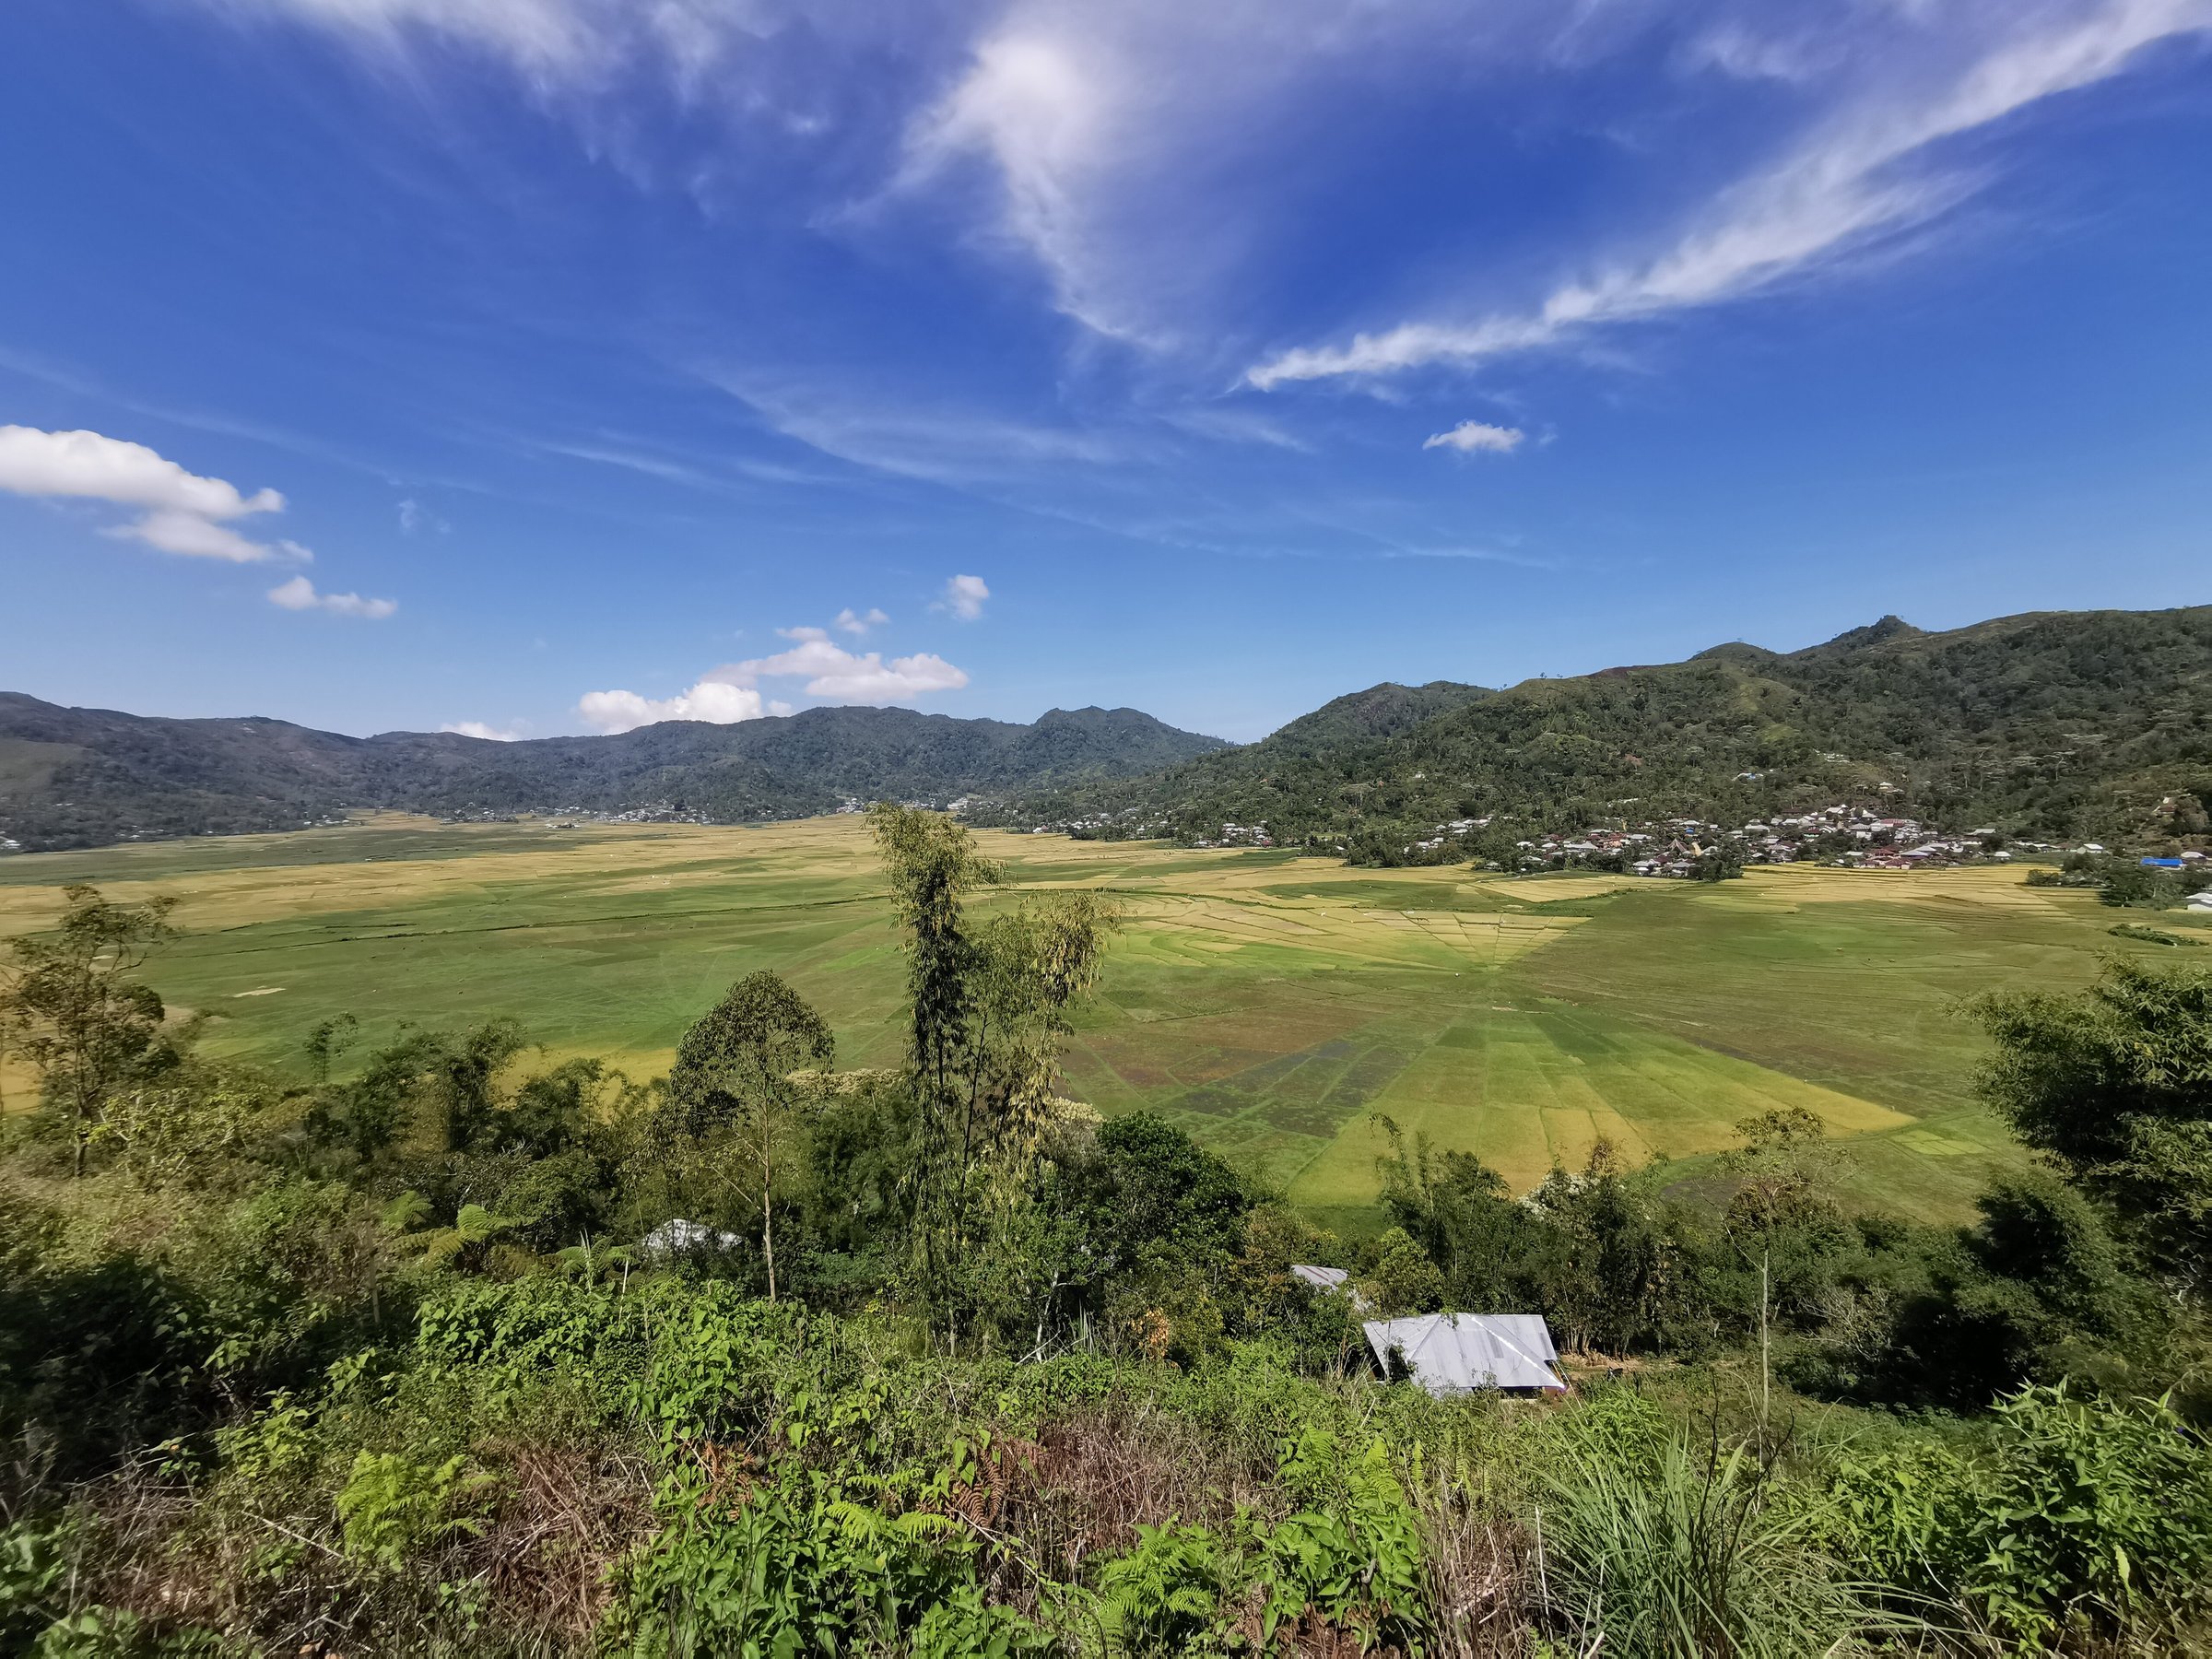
point(545, 365)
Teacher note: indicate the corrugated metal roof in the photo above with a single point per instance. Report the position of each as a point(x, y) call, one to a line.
point(1453, 1353)
point(1332, 1281)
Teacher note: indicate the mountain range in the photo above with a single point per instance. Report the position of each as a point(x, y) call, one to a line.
point(2052, 724)
point(84, 777)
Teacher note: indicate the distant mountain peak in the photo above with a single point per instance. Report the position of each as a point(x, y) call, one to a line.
point(1876, 634)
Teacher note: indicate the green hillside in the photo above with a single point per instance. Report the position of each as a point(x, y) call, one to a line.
point(2059, 725)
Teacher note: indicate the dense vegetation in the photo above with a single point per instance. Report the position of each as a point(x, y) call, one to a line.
point(82, 777)
point(446, 1346)
point(2055, 725)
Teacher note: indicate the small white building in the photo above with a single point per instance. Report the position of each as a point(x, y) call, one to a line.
point(682, 1237)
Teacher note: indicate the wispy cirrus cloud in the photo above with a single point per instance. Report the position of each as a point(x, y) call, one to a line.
point(1868, 172)
point(1161, 173)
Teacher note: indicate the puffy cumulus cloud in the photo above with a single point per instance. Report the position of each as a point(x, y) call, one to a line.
point(963, 598)
point(1870, 168)
point(837, 675)
point(1470, 437)
point(478, 728)
point(858, 623)
point(715, 701)
point(180, 511)
point(299, 595)
point(829, 671)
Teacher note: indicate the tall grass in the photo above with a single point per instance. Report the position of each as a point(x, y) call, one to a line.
point(1683, 1554)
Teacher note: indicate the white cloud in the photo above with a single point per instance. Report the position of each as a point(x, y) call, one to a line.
point(858, 623)
point(415, 518)
point(544, 37)
point(731, 693)
point(715, 701)
point(1149, 156)
point(964, 597)
point(1470, 436)
point(841, 676)
point(299, 595)
point(942, 444)
point(1036, 107)
point(1854, 181)
point(181, 511)
point(476, 728)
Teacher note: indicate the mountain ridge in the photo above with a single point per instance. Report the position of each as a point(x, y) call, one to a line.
point(82, 777)
point(2057, 723)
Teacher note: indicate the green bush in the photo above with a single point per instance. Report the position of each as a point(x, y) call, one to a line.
point(787, 1569)
point(2095, 1515)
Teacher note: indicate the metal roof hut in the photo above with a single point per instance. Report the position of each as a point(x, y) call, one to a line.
point(1329, 1281)
point(1457, 1353)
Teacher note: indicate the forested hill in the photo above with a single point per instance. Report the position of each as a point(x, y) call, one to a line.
point(82, 777)
point(2096, 722)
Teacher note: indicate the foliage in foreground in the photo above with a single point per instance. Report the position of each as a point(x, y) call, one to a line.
point(433, 1351)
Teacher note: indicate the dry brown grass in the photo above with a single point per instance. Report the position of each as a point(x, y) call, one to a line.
point(564, 1515)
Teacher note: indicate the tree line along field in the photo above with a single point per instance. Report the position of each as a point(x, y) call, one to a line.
point(1270, 1005)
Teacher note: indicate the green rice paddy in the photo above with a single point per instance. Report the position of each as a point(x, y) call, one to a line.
point(1271, 1004)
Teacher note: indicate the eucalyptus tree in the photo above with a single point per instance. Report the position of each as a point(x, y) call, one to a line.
point(74, 1011)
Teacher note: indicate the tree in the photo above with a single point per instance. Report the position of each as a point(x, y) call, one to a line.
point(75, 1013)
point(1614, 1266)
point(2115, 1086)
point(1784, 1221)
point(734, 1069)
point(990, 1010)
point(440, 1087)
point(1723, 860)
point(933, 866)
point(1459, 1210)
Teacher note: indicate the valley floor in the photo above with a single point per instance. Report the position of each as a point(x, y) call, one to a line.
point(1269, 1004)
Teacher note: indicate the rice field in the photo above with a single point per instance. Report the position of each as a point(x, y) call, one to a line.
point(1272, 1005)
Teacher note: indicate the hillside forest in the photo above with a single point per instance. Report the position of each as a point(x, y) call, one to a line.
point(2058, 726)
point(438, 1346)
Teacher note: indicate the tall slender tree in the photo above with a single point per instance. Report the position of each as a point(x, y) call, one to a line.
point(735, 1070)
point(990, 1011)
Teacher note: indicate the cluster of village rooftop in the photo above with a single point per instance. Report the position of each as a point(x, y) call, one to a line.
point(1674, 847)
